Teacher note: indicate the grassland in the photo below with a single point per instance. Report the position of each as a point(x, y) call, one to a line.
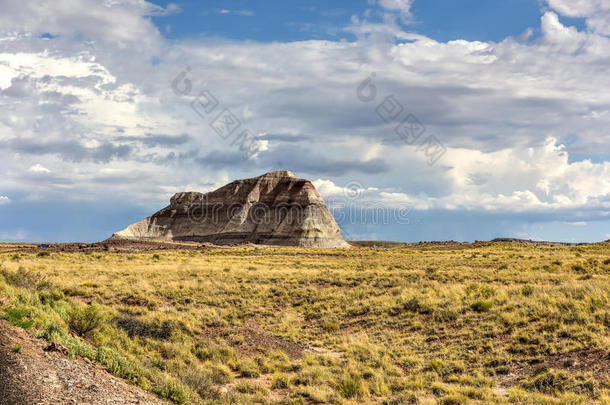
point(447, 324)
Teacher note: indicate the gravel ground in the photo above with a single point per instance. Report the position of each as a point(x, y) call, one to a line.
point(36, 376)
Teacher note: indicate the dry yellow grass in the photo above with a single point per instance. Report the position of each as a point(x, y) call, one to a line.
point(452, 324)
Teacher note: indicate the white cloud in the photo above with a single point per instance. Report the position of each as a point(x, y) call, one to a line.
point(557, 33)
point(10, 237)
point(596, 12)
point(38, 168)
point(106, 120)
point(402, 6)
point(4, 200)
point(121, 22)
point(510, 180)
point(242, 12)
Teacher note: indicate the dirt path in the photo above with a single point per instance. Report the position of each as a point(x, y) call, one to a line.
point(36, 376)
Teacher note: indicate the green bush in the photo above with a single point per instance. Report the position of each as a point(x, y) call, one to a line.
point(51, 332)
point(175, 392)
point(15, 316)
point(84, 320)
point(117, 364)
point(481, 306)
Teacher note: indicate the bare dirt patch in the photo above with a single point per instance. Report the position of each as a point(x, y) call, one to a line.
point(254, 338)
point(593, 361)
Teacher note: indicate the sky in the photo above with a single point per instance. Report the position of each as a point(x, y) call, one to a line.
point(415, 119)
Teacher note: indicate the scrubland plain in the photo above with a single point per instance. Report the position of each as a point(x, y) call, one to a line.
point(445, 324)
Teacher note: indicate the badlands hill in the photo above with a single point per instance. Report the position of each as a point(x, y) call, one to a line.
point(276, 208)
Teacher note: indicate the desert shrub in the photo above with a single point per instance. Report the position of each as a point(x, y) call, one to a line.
point(554, 381)
point(51, 332)
point(136, 327)
point(439, 389)
point(578, 268)
point(246, 387)
point(280, 380)
point(24, 278)
point(16, 317)
point(415, 304)
point(220, 374)
point(435, 365)
point(527, 290)
point(43, 254)
point(264, 365)
point(352, 386)
point(169, 351)
point(248, 368)
point(316, 394)
point(50, 296)
point(209, 350)
point(280, 360)
point(117, 364)
point(454, 399)
point(85, 319)
point(481, 306)
point(330, 327)
point(199, 382)
point(309, 376)
point(444, 315)
point(174, 391)
point(404, 399)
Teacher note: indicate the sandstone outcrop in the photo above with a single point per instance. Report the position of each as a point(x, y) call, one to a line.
point(276, 208)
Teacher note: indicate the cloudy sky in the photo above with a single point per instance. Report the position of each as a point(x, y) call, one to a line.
point(470, 119)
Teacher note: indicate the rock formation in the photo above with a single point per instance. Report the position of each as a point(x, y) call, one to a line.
point(276, 208)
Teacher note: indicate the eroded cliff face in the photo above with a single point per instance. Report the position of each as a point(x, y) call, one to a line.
point(276, 208)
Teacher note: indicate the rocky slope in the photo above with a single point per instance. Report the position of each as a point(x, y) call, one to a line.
point(276, 208)
point(39, 373)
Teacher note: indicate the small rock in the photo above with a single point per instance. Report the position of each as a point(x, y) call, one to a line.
point(57, 347)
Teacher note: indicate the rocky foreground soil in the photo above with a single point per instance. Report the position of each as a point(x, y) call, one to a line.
point(40, 374)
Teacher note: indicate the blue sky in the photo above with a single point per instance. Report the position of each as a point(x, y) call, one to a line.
point(507, 131)
point(300, 20)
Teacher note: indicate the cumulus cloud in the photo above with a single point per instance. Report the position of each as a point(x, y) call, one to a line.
point(596, 12)
point(122, 22)
point(514, 180)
